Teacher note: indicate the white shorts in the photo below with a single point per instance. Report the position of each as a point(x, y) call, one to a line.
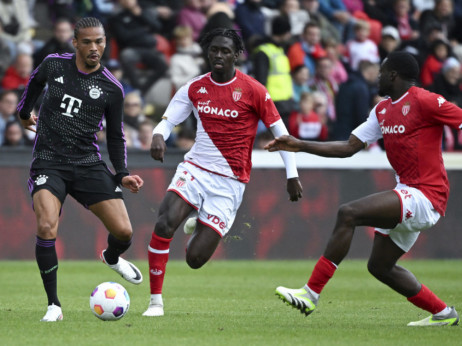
point(215, 197)
point(417, 214)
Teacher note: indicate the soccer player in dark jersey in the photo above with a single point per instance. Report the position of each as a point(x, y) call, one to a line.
point(410, 121)
point(66, 159)
point(210, 183)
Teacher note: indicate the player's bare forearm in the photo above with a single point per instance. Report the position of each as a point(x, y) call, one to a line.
point(326, 149)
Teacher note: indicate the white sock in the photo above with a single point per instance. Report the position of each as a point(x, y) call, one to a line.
point(313, 293)
point(156, 299)
point(443, 312)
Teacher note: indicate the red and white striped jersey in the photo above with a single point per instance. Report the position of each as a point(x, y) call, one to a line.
point(227, 117)
point(412, 131)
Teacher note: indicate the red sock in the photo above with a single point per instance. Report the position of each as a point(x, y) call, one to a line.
point(322, 272)
point(427, 300)
point(158, 251)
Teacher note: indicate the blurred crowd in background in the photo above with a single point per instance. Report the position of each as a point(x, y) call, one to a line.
point(319, 59)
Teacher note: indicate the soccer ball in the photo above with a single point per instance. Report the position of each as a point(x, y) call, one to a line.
point(109, 301)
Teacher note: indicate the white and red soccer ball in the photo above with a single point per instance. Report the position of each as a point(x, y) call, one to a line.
point(109, 301)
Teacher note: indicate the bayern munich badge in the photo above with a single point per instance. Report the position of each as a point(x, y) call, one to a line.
point(95, 92)
point(406, 108)
point(237, 94)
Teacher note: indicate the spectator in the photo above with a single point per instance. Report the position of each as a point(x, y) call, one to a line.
point(434, 62)
point(328, 31)
point(5, 56)
point(114, 67)
point(14, 135)
point(400, 18)
point(442, 14)
point(361, 47)
point(61, 9)
point(390, 41)
point(17, 75)
point(308, 49)
point(8, 104)
point(59, 43)
point(306, 123)
point(333, 52)
point(448, 82)
point(251, 20)
point(193, 15)
point(166, 12)
point(352, 110)
point(187, 61)
point(272, 68)
point(300, 78)
point(297, 16)
point(337, 13)
point(134, 30)
point(185, 138)
point(323, 82)
point(143, 140)
point(133, 110)
point(15, 24)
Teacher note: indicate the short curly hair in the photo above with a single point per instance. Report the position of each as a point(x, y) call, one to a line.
point(404, 64)
point(224, 32)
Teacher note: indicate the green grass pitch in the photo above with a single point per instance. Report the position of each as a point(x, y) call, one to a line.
point(227, 303)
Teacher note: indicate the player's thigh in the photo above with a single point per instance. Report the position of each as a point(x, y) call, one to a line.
point(381, 209)
point(114, 215)
point(94, 184)
point(47, 208)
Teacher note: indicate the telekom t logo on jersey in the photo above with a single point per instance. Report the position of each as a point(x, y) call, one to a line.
point(70, 105)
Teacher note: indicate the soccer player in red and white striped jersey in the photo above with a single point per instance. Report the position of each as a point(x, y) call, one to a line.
point(410, 121)
point(210, 183)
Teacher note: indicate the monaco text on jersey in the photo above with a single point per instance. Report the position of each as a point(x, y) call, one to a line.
point(204, 107)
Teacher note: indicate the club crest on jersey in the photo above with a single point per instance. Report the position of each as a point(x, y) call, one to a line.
point(180, 182)
point(95, 92)
point(406, 108)
point(41, 179)
point(237, 94)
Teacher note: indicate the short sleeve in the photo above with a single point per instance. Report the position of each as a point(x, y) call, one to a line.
point(369, 131)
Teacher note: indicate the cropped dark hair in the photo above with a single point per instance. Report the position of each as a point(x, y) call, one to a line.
point(87, 22)
point(404, 64)
point(224, 32)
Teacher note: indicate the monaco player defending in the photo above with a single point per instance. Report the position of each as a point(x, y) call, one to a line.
point(211, 181)
point(410, 121)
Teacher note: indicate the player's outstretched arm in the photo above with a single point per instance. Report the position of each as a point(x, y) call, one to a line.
point(158, 147)
point(326, 149)
point(132, 182)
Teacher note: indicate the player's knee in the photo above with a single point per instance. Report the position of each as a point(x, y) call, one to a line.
point(195, 261)
point(47, 229)
point(163, 230)
point(124, 234)
point(346, 214)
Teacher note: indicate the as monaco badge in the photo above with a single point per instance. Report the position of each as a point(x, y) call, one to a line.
point(237, 94)
point(406, 108)
point(180, 182)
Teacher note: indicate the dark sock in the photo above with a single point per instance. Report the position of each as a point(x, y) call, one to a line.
point(47, 260)
point(115, 248)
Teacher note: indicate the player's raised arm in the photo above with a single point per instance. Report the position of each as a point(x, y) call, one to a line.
point(326, 149)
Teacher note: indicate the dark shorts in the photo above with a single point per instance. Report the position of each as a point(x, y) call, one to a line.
point(87, 184)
